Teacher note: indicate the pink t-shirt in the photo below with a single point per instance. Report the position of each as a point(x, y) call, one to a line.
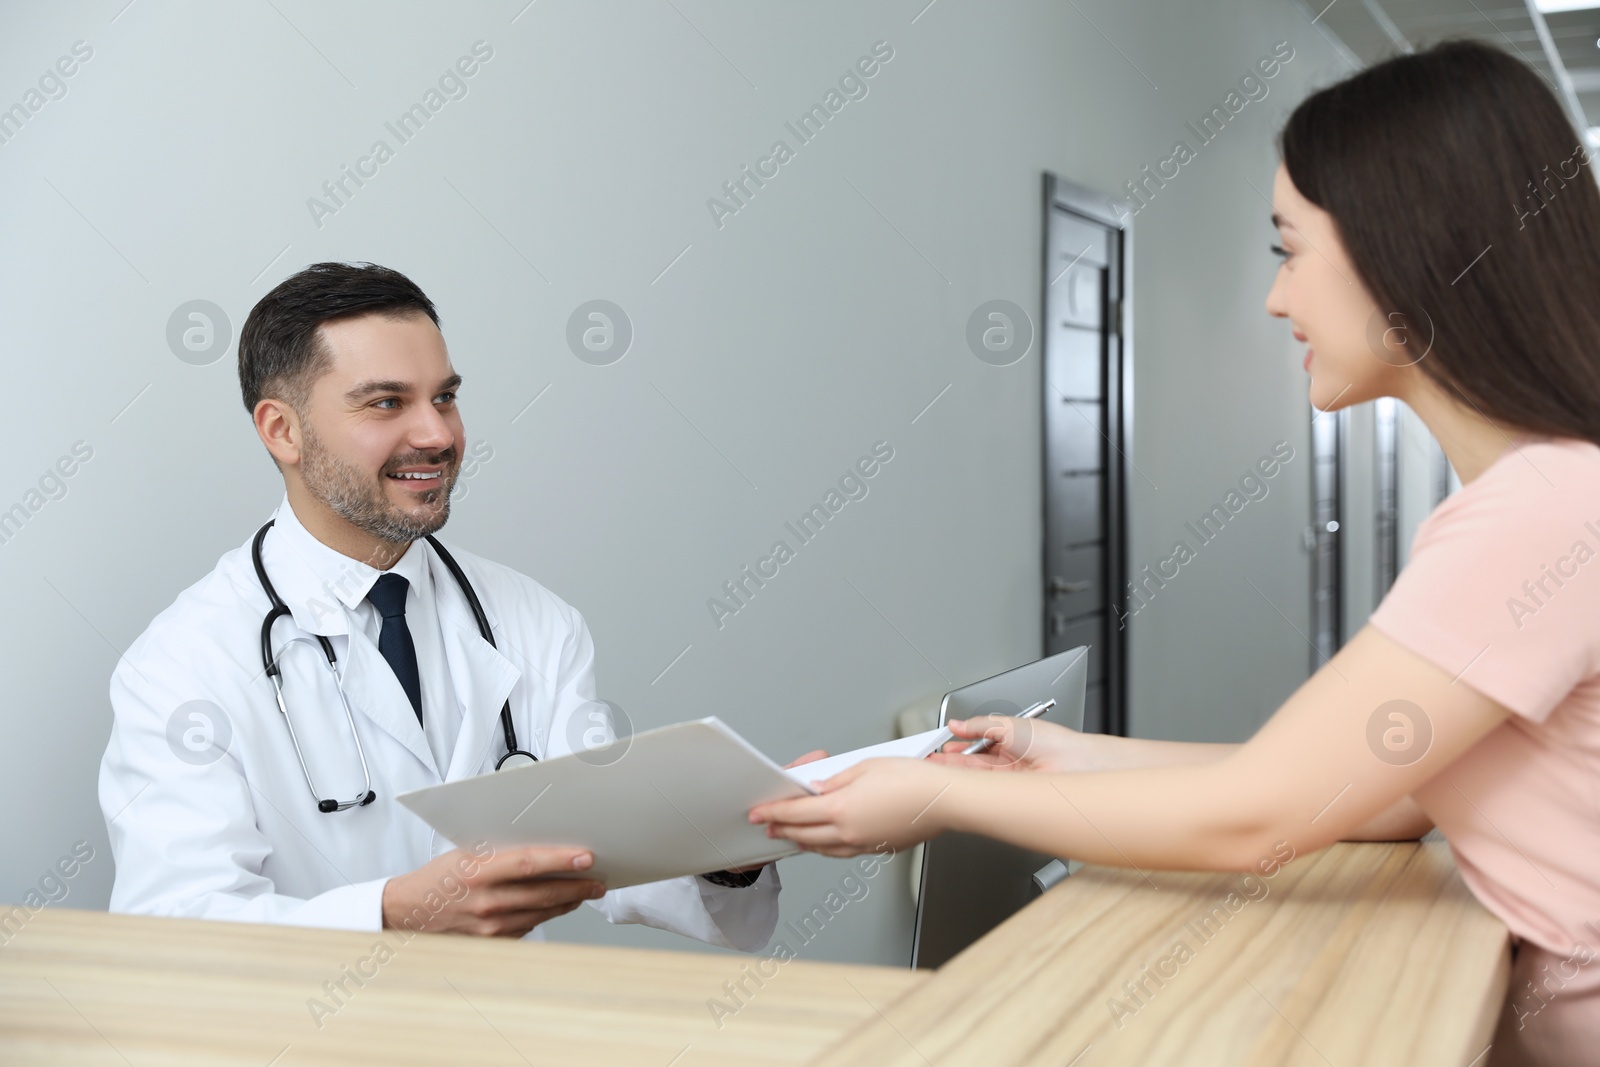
point(1503, 589)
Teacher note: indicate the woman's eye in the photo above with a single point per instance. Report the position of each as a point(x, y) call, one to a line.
point(1280, 251)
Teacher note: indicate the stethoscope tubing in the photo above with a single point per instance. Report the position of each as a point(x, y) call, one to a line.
point(269, 663)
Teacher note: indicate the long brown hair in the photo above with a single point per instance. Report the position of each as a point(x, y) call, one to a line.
point(1465, 200)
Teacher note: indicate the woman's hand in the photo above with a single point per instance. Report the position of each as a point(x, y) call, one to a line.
point(1020, 745)
point(894, 802)
point(810, 757)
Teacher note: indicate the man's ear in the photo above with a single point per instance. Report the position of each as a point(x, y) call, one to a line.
point(278, 425)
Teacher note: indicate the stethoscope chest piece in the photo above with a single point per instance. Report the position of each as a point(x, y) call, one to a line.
point(514, 759)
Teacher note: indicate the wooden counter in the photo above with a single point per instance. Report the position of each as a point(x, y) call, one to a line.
point(1361, 954)
point(87, 988)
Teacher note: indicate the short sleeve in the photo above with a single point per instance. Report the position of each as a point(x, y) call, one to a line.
point(1503, 587)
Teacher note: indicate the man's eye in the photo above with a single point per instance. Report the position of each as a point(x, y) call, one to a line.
point(447, 398)
point(389, 400)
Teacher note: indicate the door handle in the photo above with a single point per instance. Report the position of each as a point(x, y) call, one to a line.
point(1060, 586)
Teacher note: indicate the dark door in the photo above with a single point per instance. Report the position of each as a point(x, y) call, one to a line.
point(1087, 423)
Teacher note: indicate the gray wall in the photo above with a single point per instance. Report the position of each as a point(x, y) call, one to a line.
point(769, 353)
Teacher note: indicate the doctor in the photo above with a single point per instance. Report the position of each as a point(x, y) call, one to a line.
point(217, 807)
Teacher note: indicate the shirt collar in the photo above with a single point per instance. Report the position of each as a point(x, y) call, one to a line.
point(327, 576)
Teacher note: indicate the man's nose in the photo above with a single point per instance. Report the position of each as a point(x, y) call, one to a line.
point(431, 432)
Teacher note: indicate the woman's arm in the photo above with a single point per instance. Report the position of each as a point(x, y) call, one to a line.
point(1404, 820)
point(1370, 727)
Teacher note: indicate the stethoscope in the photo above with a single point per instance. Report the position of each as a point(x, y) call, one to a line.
point(514, 757)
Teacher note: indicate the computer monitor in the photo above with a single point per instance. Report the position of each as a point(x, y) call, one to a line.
point(971, 884)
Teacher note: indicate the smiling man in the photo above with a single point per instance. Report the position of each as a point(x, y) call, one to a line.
point(235, 791)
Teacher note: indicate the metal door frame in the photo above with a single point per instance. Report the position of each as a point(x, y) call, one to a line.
point(1093, 206)
point(1326, 536)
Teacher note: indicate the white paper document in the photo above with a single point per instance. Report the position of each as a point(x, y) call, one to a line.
point(916, 746)
point(658, 804)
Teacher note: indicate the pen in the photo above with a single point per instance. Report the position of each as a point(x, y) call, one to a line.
point(1031, 713)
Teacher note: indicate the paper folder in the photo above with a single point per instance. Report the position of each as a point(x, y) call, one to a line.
point(659, 804)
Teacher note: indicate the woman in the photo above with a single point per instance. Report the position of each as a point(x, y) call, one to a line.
point(1440, 235)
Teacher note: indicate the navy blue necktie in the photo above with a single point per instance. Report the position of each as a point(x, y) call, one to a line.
point(388, 595)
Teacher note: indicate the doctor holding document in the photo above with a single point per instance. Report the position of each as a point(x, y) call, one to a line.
point(265, 722)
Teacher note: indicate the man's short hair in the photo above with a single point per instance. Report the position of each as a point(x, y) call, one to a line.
point(280, 352)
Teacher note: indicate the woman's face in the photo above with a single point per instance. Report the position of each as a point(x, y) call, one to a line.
point(1354, 353)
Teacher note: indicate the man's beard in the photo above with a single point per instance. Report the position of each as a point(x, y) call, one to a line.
point(351, 493)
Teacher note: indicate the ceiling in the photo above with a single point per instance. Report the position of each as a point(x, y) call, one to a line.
point(1561, 45)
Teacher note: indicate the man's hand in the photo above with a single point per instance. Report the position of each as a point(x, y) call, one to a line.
point(490, 894)
point(810, 757)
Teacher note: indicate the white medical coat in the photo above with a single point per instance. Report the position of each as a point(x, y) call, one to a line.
point(211, 817)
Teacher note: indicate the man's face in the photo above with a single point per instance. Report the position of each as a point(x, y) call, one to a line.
point(382, 438)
